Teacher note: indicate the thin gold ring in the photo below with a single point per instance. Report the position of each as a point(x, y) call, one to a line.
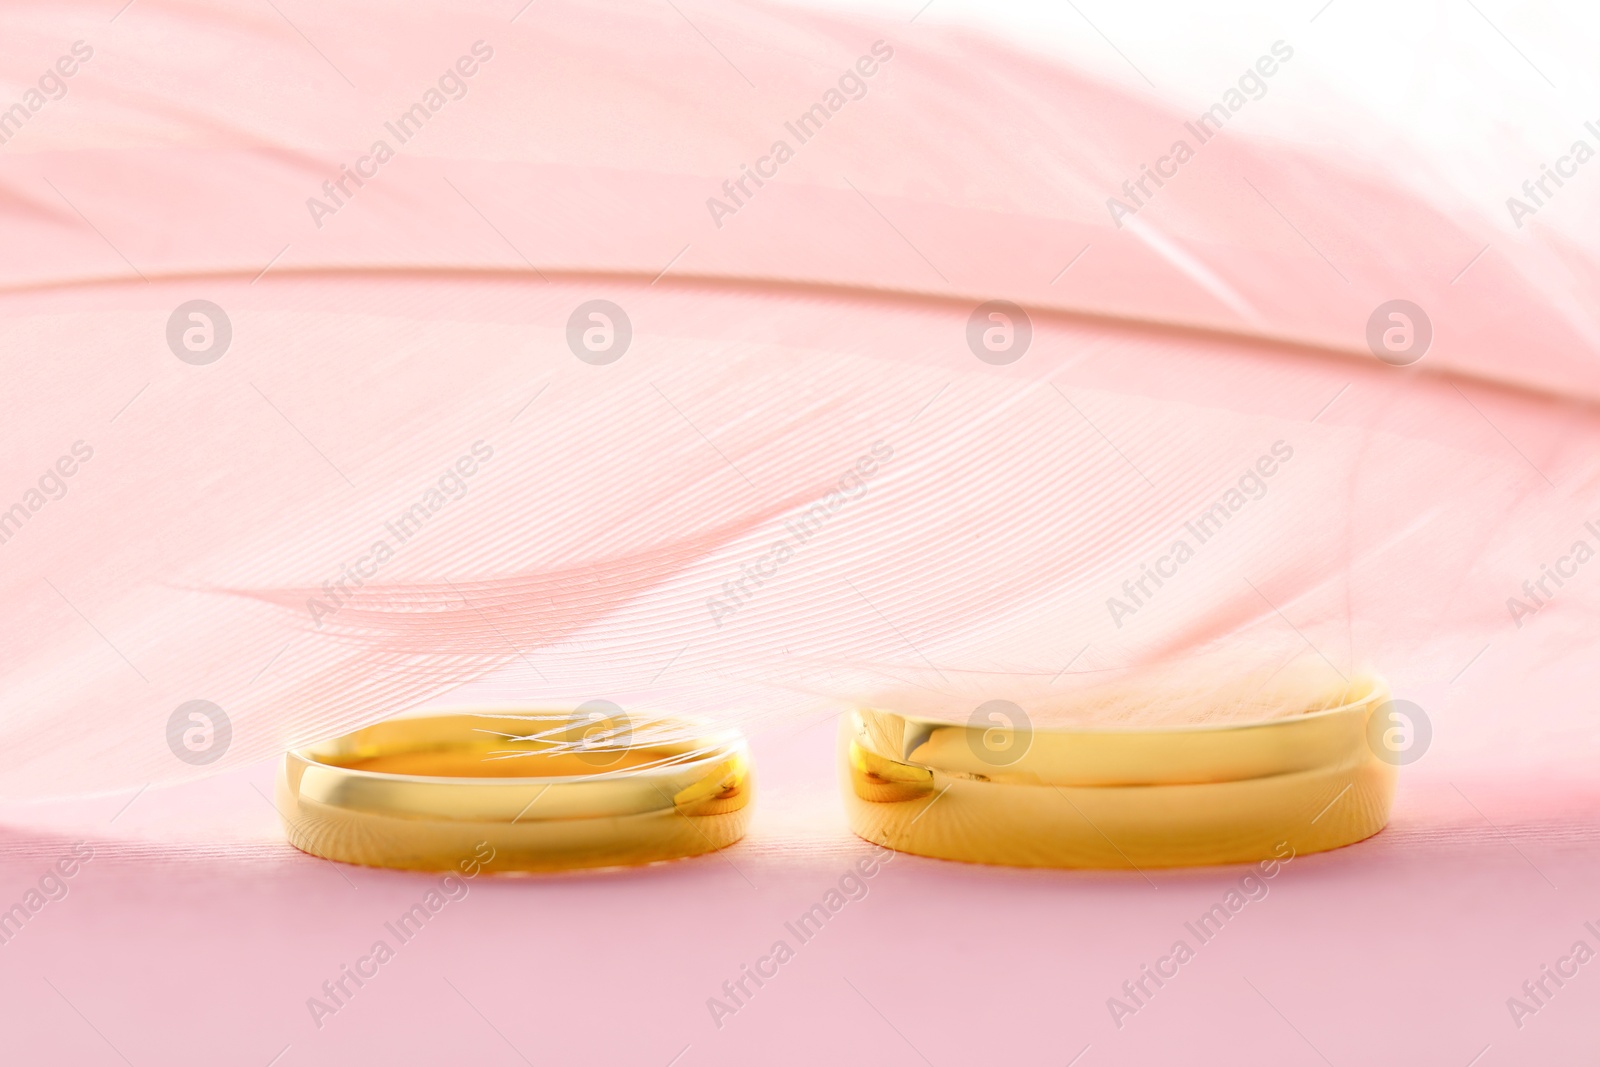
point(428, 792)
point(1119, 798)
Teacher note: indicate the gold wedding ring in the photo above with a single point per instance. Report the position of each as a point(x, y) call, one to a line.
point(1119, 798)
point(426, 793)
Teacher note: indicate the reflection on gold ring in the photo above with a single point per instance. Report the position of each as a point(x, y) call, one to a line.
point(424, 793)
point(1118, 798)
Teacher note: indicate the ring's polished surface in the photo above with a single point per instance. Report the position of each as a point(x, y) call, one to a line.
point(423, 793)
point(1128, 798)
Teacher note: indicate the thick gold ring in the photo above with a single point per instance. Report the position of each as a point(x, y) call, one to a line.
point(1119, 798)
point(536, 787)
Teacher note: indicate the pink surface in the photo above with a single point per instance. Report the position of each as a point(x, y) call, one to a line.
point(1400, 950)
